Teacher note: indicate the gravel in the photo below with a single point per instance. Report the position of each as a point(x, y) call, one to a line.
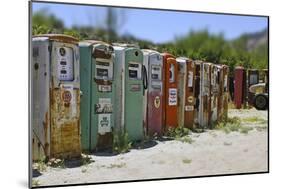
point(211, 152)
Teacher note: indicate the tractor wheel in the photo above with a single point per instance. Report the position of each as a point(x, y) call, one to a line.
point(261, 102)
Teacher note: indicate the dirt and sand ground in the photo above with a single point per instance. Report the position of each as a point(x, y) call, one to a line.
point(211, 152)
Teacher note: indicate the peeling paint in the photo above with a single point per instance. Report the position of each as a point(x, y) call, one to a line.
point(56, 102)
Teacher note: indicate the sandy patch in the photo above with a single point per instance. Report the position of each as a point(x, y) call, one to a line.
point(212, 152)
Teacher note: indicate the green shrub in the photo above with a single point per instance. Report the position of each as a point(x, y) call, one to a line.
point(255, 119)
point(186, 161)
point(121, 143)
point(231, 125)
point(177, 132)
point(180, 134)
point(245, 130)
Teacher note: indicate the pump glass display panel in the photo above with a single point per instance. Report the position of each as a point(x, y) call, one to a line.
point(104, 109)
point(65, 71)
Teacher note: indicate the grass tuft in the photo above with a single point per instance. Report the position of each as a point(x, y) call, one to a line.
point(121, 143)
point(233, 124)
point(180, 134)
point(116, 165)
point(56, 163)
point(186, 161)
point(86, 159)
point(35, 183)
point(255, 119)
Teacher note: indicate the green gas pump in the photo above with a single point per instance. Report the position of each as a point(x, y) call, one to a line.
point(131, 81)
point(97, 78)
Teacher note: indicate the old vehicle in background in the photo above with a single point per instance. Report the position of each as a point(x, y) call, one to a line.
point(258, 93)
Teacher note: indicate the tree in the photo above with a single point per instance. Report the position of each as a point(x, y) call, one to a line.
point(44, 22)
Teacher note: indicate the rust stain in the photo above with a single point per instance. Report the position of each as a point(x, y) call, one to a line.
point(102, 82)
point(65, 135)
point(98, 53)
point(46, 129)
point(105, 141)
point(60, 38)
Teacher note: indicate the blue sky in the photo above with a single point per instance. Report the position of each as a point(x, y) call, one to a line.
point(154, 25)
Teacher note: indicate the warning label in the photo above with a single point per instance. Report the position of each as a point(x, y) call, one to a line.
point(172, 97)
point(104, 123)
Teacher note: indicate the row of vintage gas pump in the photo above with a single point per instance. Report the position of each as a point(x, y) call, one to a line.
point(85, 92)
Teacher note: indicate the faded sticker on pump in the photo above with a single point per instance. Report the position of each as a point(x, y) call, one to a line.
point(190, 79)
point(104, 106)
point(104, 88)
point(172, 97)
point(190, 99)
point(66, 96)
point(189, 108)
point(104, 124)
point(135, 87)
point(225, 81)
point(157, 102)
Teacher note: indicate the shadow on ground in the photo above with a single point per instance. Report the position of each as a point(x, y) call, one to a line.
point(107, 153)
point(144, 144)
point(35, 173)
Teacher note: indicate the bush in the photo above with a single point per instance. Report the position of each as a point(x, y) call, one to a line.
point(121, 143)
point(180, 134)
point(231, 125)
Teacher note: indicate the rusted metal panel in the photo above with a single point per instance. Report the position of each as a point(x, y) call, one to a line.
point(214, 93)
point(182, 75)
point(189, 110)
point(153, 99)
point(186, 91)
point(56, 106)
point(65, 101)
point(220, 92)
point(59, 38)
point(197, 88)
point(225, 90)
point(65, 124)
point(40, 95)
point(171, 91)
point(205, 95)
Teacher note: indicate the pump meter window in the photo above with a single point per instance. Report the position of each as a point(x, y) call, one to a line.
point(156, 72)
point(104, 69)
point(134, 70)
point(65, 64)
point(172, 73)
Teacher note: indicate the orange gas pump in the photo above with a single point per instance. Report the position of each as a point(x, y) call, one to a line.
point(171, 91)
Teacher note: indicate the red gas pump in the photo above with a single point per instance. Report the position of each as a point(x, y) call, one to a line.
point(239, 86)
point(153, 61)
